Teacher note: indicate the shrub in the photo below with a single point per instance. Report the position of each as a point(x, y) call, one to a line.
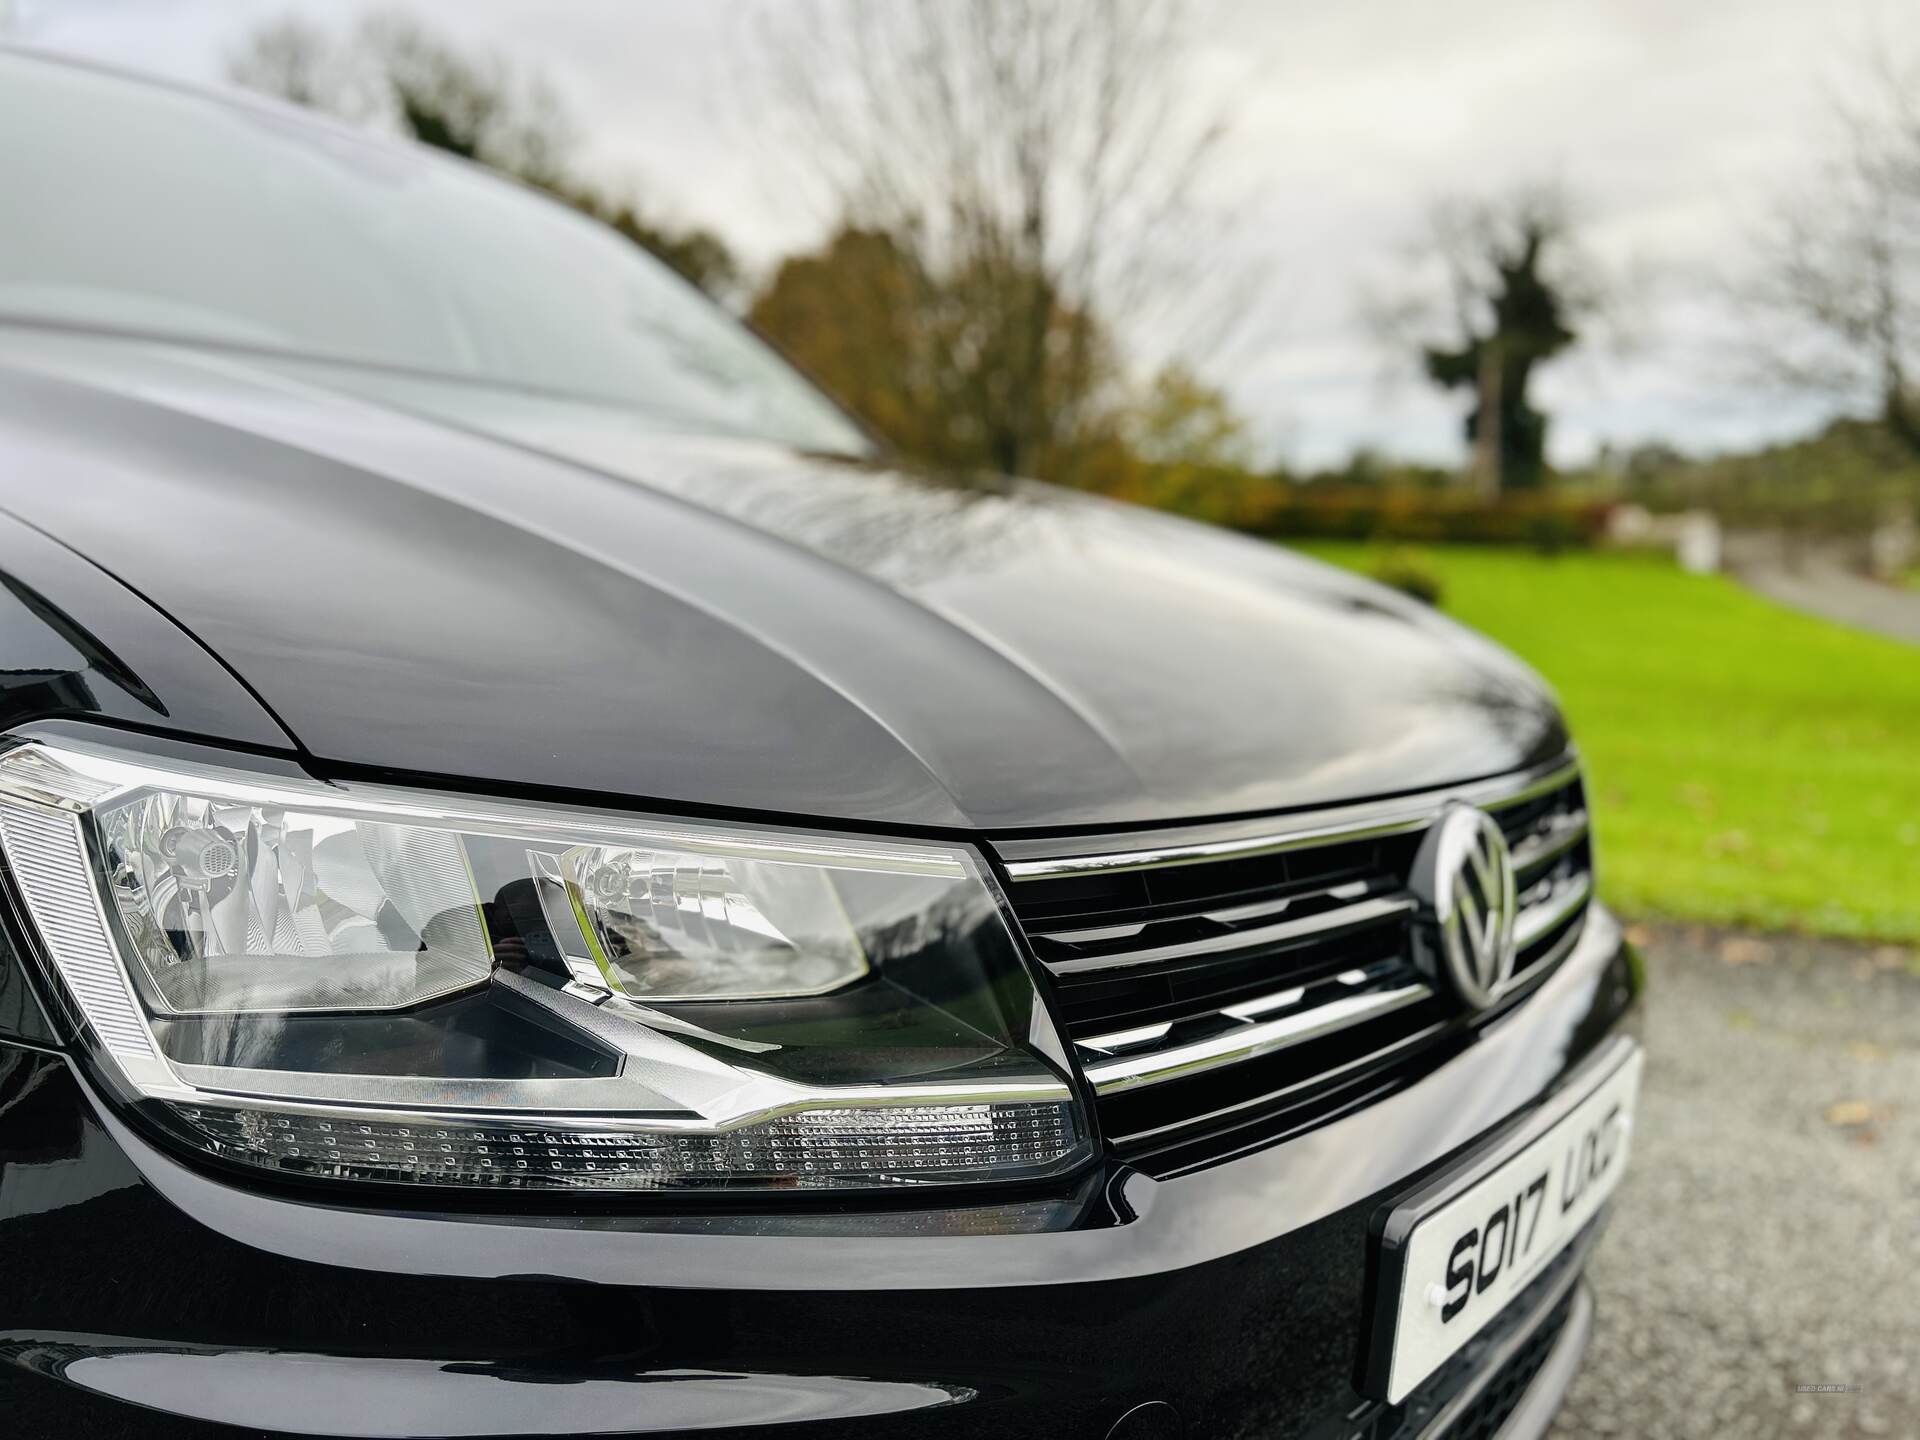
point(1280, 507)
point(1410, 573)
point(1544, 521)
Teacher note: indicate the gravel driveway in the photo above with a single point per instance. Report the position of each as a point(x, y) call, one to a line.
point(1767, 1236)
point(1826, 588)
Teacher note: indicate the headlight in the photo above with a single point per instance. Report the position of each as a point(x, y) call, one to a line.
point(378, 985)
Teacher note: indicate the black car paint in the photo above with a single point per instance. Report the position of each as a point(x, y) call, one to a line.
point(1233, 1294)
point(75, 642)
point(721, 624)
point(360, 573)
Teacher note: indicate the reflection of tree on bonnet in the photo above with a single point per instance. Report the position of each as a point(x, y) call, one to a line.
point(902, 527)
point(1507, 700)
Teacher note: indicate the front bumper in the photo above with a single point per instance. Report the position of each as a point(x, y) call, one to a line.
point(142, 1297)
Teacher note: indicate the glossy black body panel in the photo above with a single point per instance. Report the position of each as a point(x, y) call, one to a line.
point(499, 589)
point(23, 1014)
point(1233, 1294)
point(75, 643)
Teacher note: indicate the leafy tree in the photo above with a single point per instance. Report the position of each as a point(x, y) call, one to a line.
point(1509, 436)
point(1182, 420)
point(922, 354)
point(1513, 294)
point(391, 73)
point(1187, 450)
point(914, 353)
point(854, 315)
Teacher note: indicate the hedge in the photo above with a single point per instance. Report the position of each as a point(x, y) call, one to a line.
point(1285, 511)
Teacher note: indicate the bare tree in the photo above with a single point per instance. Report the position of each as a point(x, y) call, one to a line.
point(391, 73)
point(293, 60)
point(1509, 288)
point(1040, 162)
point(472, 105)
point(1837, 294)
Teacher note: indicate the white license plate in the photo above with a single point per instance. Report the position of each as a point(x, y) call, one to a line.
point(1454, 1255)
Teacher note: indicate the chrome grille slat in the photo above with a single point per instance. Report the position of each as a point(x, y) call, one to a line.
point(1285, 932)
point(1254, 1102)
point(1550, 842)
point(1158, 908)
point(1260, 910)
point(1327, 827)
point(1172, 915)
point(1127, 1039)
point(1561, 905)
point(1249, 1041)
point(1543, 965)
point(1092, 935)
point(1204, 1025)
point(1251, 949)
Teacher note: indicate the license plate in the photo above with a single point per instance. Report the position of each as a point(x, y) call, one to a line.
point(1452, 1256)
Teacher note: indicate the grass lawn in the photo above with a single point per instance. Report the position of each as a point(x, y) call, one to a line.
point(1749, 765)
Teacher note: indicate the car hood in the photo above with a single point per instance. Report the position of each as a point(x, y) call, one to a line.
point(505, 590)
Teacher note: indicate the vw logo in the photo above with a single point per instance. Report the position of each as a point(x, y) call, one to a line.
point(1463, 882)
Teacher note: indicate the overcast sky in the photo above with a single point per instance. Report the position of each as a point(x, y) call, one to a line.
point(1672, 122)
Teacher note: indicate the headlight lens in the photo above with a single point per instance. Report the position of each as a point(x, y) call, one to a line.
point(369, 984)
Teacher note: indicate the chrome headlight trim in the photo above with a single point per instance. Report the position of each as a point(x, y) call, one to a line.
point(674, 1081)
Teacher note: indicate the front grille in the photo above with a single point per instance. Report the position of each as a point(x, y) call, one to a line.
point(1229, 986)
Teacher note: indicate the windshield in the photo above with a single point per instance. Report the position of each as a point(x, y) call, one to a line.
point(165, 212)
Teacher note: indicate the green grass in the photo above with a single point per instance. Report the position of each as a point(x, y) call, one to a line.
point(1749, 765)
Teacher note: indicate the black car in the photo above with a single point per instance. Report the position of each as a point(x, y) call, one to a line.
point(553, 889)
